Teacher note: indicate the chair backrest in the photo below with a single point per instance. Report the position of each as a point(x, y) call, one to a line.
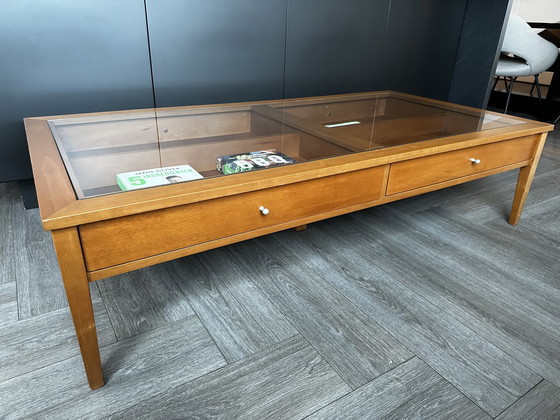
point(521, 41)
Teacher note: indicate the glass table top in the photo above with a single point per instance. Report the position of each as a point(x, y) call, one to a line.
point(112, 153)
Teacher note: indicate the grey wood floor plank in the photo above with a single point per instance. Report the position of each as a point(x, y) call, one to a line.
point(40, 341)
point(518, 315)
point(237, 315)
point(8, 303)
point(12, 244)
point(143, 366)
point(497, 200)
point(40, 288)
point(287, 381)
point(478, 283)
point(524, 266)
point(549, 160)
point(39, 284)
point(543, 201)
point(541, 403)
point(546, 213)
point(552, 151)
point(28, 257)
point(488, 198)
point(483, 372)
point(412, 390)
point(528, 234)
point(142, 300)
point(357, 347)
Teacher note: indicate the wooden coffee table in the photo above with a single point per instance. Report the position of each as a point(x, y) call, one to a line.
point(351, 151)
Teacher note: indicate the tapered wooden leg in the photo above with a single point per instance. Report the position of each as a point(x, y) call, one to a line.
point(71, 261)
point(524, 181)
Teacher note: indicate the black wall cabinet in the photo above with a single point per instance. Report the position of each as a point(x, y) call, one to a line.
point(216, 51)
point(335, 46)
point(422, 39)
point(65, 56)
point(59, 57)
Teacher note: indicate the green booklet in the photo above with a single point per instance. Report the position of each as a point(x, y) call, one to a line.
point(154, 177)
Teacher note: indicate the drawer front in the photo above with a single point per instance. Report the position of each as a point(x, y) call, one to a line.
point(429, 170)
point(111, 242)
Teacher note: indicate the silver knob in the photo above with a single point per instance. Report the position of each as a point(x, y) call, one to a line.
point(264, 210)
point(475, 161)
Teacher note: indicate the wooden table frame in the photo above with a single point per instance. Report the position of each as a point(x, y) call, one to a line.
point(71, 220)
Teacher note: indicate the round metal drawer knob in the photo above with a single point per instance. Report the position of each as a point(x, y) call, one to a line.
point(264, 210)
point(475, 161)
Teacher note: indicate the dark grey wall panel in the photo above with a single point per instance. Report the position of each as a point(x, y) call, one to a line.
point(478, 52)
point(63, 56)
point(422, 40)
point(334, 46)
point(214, 51)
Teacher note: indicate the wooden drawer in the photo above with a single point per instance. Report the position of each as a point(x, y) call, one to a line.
point(111, 242)
point(429, 170)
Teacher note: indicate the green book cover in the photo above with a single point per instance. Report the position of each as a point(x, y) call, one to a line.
point(155, 177)
point(250, 161)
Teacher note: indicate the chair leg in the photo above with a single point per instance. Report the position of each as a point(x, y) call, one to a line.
point(496, 80)
point(538, 91)
point(533, 86)
point(509, 89)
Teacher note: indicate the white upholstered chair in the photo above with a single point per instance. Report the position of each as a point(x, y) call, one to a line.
point(524, 53)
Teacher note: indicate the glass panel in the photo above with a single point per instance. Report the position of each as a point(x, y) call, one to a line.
point(98, 148)
point(343, 124)
point(369, 121)
point(199, 136)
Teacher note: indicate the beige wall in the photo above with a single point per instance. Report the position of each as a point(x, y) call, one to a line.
point(537, 10)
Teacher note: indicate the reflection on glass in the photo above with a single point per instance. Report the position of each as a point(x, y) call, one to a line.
point(150, 148)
